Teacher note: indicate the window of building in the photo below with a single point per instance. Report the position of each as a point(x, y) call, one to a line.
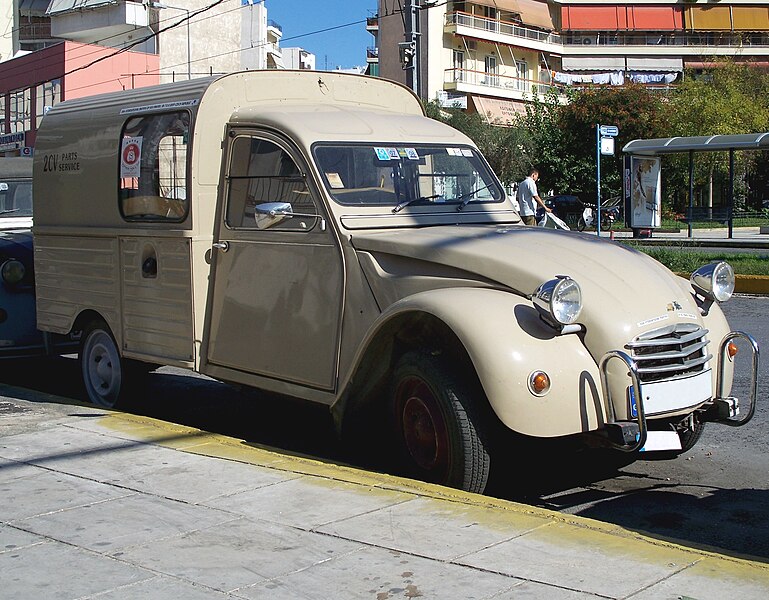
point(459, 65)
point(47, 95)
point(523, 74)
point(492, 71)
point(154, 167)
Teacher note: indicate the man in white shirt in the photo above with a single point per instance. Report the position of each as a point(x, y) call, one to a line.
point(527, 195)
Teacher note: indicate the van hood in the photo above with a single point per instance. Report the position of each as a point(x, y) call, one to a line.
point(625, 292)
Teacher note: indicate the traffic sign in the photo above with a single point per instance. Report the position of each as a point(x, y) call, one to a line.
point(609, 130)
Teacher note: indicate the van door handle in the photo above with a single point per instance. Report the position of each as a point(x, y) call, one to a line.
point(223, 246)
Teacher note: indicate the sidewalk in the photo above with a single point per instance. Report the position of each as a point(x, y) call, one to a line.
point(112, 506)
point(745, 237)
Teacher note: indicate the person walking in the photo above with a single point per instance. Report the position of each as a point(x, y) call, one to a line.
point(528, 198)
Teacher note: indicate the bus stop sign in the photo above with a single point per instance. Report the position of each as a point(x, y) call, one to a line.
point(609, 130)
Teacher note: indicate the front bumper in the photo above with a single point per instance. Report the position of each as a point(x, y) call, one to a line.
point(632, 435)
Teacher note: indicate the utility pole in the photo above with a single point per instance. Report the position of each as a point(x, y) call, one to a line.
point(409, 50)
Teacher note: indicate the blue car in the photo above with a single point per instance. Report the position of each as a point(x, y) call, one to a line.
point(19, 336)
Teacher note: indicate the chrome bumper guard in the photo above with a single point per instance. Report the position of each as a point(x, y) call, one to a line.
point(627, 436)
point(726, 408)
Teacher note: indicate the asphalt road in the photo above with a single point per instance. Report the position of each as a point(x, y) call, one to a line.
point(716, 496)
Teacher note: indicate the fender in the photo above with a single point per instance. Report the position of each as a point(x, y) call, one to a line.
point(506, 340)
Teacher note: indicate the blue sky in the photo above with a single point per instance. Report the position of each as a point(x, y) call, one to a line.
point(345, 47)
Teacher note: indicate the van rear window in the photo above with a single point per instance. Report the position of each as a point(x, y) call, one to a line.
point(153, 178)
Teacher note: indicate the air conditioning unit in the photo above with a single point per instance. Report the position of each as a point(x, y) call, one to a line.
point(587, 40)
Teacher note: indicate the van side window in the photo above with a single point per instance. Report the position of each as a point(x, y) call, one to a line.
point(153, 167)
point(260, 172)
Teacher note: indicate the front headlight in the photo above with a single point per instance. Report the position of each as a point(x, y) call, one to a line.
point(12, 271)
point(714, 281)
point(559, 301)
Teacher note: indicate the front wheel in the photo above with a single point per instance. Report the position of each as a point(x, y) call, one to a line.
point(438, 423)
point(581, 224)
point(101, 365)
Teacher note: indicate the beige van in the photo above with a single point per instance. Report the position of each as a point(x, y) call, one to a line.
point(315, 235)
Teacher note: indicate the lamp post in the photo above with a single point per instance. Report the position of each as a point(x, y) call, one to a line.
point(189, 56)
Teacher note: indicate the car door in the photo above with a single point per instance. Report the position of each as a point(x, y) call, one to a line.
point(276, 302)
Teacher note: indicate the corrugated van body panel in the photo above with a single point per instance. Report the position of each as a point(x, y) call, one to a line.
point(157, 310)
point(73, 274)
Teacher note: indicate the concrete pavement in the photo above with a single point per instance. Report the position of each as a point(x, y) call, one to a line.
point(101, 504)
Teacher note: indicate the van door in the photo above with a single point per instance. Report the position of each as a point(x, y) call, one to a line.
point(276, 302)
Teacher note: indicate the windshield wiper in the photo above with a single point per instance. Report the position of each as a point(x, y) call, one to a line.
point(468, 197)
point(9, 210)
point(401, 205)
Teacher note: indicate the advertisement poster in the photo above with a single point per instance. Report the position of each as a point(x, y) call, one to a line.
point(645, 192)
point(130, 157)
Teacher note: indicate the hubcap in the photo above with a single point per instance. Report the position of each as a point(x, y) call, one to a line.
point(423, 427)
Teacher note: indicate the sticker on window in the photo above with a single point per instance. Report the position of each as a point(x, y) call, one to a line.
point(382, 154)
point(454, 151)
point(467, 152)
point(412, 153)
point(130, 157)
point(334, 180)
point(393, 153)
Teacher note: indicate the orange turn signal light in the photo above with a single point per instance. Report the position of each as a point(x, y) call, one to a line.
point(539, 383)
point(732, 350)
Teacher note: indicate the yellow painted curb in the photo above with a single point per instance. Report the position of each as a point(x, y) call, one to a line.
point(195, 441)
point(752, 284)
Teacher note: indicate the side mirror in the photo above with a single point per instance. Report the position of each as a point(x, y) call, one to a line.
point(270, 214)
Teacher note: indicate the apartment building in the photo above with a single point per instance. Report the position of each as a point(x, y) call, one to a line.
point(62, 49)
point(494, 56)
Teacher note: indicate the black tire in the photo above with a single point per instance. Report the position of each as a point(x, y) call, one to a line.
point(581, 224)
point(101, 366)
point(438, 424)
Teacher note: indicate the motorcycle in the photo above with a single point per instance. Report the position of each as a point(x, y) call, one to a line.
point(609, 214)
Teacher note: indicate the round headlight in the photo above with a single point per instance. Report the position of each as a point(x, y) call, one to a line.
point(12, 271)
point(559, 301)
point(714, 281)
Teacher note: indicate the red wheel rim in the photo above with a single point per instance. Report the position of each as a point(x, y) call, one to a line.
point(424, 428)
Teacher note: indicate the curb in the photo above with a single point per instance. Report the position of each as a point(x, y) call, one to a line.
point(752, 284)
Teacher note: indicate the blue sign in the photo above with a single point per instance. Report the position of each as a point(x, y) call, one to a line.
point(609, 130)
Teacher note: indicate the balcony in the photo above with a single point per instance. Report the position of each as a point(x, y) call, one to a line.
point(682, 43)
point(497, 31)
point(372, 24)
point(112, 22)
point(494, 84)
point(372, 54)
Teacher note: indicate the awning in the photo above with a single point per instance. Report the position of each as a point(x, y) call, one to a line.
point(593, 63)
point(496, 111)
point(507, 5)
point(62, 6)
point(639, 63)
point(708, 18)
point(702, 143)
point(536, 13)
point(750, 18)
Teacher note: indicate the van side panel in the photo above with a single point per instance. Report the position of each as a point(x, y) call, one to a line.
point(74, 274)
point(157, 297)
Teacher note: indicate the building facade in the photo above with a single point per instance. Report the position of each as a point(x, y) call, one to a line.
point(63, 49)
point(494, 56)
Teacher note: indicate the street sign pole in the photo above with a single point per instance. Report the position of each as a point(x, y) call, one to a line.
point(597, 217)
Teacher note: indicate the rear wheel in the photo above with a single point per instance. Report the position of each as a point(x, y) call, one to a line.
point(581, 224)
point(101, 365)
point(438, 424)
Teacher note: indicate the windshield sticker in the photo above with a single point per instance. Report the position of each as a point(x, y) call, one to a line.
point(412, 153)
point(653, 320)
point(334, 180)
point(381, 153)
point(454, 151)
point(467, 152)
point(393, 153)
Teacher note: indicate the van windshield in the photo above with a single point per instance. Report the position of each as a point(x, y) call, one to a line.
point(398, 175)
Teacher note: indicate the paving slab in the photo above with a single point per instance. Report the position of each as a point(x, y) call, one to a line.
point(236, 554)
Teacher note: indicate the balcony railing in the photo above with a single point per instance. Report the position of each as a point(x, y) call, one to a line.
point(372, 22)
point(271, 23)
point(611, 38)
point(671, 38)
point(372, 52)
point(501, 27)
point(499, 82)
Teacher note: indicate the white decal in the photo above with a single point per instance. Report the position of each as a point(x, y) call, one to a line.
point(130, 157)
point(653, 320)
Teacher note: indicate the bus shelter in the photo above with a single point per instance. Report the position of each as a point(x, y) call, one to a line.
point(641, 180)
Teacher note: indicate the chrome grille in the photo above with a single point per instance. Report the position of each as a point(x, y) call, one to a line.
point(670, 352)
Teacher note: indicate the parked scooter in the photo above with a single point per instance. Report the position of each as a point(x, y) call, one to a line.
point(609, 214)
